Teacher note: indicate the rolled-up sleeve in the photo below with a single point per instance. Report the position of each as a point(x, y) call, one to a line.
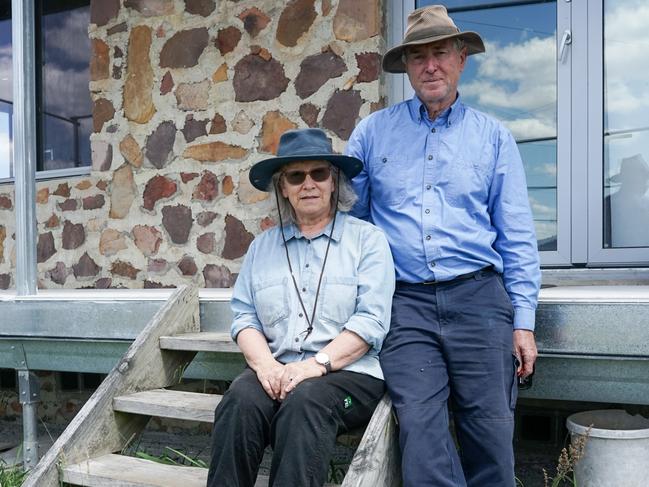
point(371, 319)
point(242, 303)
point(361, 182)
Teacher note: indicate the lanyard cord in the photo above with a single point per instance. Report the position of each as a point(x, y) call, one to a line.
point(324, 263)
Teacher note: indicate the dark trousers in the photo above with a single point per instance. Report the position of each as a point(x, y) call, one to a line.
point(453, 342)
point(302, 429)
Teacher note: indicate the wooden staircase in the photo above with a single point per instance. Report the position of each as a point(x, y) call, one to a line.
point(136, 389)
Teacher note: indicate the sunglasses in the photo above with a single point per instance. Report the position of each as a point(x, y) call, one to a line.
point(319, 175)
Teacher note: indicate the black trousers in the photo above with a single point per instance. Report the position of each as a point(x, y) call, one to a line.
point(302, 429)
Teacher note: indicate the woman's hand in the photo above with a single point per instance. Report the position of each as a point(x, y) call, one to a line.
point(296, 372)
point(270, 376)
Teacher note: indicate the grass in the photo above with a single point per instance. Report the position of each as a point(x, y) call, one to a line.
point(11, 476)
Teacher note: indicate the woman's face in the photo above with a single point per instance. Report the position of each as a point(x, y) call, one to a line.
point(308, 186)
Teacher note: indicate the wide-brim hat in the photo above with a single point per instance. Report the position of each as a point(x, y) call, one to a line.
point(426, 25)
point(301, 145)
point(632, 168)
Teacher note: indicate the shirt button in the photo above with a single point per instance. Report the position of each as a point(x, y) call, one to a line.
point(301, 315)
point(308, 242)
point(307, 265)
point(385, 159)
point(427, 211)
point(428, 186)
point(428, 237)
point(303, 289)
point(432, 130)
point(297, 339)
point(432, 263)
point(430, 158)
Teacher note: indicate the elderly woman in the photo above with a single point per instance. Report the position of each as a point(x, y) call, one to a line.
point(311, 309)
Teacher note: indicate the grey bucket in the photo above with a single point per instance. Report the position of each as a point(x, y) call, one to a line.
point(617, 449)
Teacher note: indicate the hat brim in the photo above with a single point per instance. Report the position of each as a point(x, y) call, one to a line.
point(262, 172)
point(393, 62)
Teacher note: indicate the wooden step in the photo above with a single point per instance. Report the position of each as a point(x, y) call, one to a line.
point(165, 403)
point(200, 342)
point(112, 470)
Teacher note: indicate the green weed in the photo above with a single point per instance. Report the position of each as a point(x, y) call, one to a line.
point(11, 476)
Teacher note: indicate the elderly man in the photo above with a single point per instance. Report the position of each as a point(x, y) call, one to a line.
point(447, 185)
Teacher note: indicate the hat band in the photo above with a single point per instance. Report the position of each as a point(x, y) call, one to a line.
point(439, 32)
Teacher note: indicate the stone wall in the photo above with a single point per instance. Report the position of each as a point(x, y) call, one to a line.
point(187, 96)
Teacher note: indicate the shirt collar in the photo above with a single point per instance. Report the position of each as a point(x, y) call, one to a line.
point(292, 231)
point(448, 117)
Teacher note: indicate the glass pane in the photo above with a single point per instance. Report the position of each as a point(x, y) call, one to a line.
point(6, 90)
point(66, 120)
point(516, 82)
point(626, 126)
point(454, 4)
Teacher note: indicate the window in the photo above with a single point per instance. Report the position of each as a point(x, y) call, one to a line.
point(64, 118)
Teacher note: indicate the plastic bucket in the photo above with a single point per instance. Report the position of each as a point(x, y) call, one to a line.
point(617, 449)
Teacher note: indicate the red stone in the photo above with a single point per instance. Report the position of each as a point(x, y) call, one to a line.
point(102, 185)
point(369, 65)
point(258, 79)
point(217, 276)
point(254, 20)
point(208, 187)
point(5, 281)
point(157, 188)
point(45, 247)
point(102, 112)
point(295, 20)
point(157, 265)
point(102, 11)
point(59, 273)
point(177, 220)
point(167, 83)
point(342, 111)
point(103, 283)
point(99, 60)
point(309, 113)
point(187, 266)
point(116, 29)
point(204, 218)
point(188, 176)
point(267, 223)
point(86, 267)
point(62, 189)
point(227, 39)
point(237, 238)
point(184, 48)
point(147, 239)
point(315, 70)
point(5, 202)
point(206, 243)
point(73, 235)
point(218, 124)
point(200, 7)
point(52, 222)
point(157, 285)
point(68, 205)
point(124, 269)
point(94, 202)
point(194, 128)
point(160, 143)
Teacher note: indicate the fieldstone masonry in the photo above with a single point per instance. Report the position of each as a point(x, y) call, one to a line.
point(187, 96)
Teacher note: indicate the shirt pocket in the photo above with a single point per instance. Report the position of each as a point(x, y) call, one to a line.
point(271, 301)
point(388, 172)
point(338, 299)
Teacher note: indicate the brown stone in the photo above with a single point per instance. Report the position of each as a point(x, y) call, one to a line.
point(59, 273)
point(167, 83)
point(184, 48)
point(262, 52)
point(151, 8)
point(227, 186)
point(237, 238)
point(123, 192)
point(147, 239)
point(68, 205)
point(157, 265)
point(157, 188)
point(221, 73)
point(242, 123)
point(217, 276)
point(218, 124)
point(295, 20)
point(102, 155)
point(116, 29)
point(356, 21)
point(341, 113)
point(103, 283)
point(206, 243)
point(42, 197)
point(227, 39)
point(315, 70)
point(3, 235)
point(254, 20)
point(124, 269)
point(177, 220)
point(160, 143)
point(185, 177)
point(193, 96)
point(157, 285)
point(369, 66)
point(204, 218)
point(5, 281)
point(73, 235)
point(266, 223)
point(208, 187)
point(247, 193)
point(138, 101)
point(102, 112)
point(309, 113)
point(194, 128)
point(131, 151)
point(273, 126)
point(45, 247)
point(62, 189)
point(326, 7)
point(5, 202)
point(111, 242)
point(101, 185)
point(83, 185)
point(214, 152)
point(93, 202)
point(99, 60)
point(102, 11)
point(258, 79)
point(187, 266)
point(200, 7)
point(52, 222)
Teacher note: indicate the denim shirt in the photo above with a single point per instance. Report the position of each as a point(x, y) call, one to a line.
point(355, 295)
point(451, 196)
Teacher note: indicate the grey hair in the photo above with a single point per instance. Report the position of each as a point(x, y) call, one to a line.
point(458, 43)
point(346, 198)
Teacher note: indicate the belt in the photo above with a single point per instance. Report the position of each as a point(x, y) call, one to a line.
point(485, 271)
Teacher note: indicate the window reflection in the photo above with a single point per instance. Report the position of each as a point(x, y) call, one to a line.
point(516, 82)
point(6, 90)
point(626, 129)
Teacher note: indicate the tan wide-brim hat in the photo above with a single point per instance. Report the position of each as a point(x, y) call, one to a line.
point(426, 25)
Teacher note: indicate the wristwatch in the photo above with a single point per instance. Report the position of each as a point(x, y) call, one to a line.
point(323, 359)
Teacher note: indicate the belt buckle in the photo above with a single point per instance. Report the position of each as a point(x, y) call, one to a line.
point(429, 283)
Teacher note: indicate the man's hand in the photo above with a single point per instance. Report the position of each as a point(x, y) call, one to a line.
point(296, 372)
point(270, 375)
point(525, 350)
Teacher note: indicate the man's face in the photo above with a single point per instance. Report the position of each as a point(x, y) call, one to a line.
point(434, 71)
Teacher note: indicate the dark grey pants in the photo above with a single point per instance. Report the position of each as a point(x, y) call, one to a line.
point(453, 342)
point(302, 429)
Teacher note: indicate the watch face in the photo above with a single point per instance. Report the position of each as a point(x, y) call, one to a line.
point(322, 358)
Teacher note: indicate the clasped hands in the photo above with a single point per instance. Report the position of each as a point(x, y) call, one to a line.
point(278, 379)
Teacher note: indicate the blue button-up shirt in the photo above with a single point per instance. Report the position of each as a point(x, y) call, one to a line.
point(355, 295)
point(451, 195)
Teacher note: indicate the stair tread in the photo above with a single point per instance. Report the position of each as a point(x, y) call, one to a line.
point(200, 342)
point(129, 471)
point(165, 403)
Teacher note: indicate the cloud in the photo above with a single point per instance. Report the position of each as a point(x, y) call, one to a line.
point(66, 92)
point(70, 37)
point(6, 74)
point(541, 211)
